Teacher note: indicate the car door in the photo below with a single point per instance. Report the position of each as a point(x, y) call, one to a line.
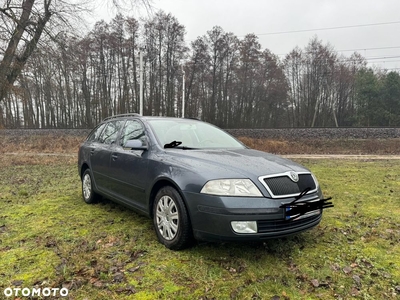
point(100, 153)
point(128, 168)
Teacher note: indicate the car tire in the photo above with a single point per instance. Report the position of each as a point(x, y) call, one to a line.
point(88, 193)
point(171, 219)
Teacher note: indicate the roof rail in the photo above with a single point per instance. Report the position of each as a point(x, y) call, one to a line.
point(122, 115)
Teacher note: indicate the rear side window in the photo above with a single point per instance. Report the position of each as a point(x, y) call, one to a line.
point(110, 133)
point(95, 134)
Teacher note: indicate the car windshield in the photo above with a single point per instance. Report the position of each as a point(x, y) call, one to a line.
point(191, 134)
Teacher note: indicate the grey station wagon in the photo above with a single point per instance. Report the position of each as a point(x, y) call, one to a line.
point(196, 181)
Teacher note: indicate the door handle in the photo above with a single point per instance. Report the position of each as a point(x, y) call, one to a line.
point(114, 156)
point(91, 151)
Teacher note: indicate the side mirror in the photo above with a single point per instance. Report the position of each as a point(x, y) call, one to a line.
point(135, 145)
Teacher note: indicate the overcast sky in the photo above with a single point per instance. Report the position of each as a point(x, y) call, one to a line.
point(269, 19)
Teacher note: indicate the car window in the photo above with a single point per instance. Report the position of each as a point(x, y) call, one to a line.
point(95, 134)
point(193, 134)
point(133, 130)
point(110, 133)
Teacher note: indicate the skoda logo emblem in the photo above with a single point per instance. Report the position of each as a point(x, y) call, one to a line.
point(294, 176)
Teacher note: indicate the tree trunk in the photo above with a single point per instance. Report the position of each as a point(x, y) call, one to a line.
point(9, 54)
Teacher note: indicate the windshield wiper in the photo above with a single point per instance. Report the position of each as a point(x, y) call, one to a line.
point(176, 144)
point(173, 144)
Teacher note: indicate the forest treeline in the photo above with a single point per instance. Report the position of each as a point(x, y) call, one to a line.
point(75, 82)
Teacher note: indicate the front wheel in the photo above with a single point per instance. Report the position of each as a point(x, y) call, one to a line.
point(89, 195)
point(171, 220)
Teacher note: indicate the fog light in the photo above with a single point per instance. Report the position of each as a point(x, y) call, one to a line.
point(244, 226)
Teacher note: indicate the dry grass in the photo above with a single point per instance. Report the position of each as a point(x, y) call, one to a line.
point(40, 144)
point(38, 149)
point(32, 145)
point(323, 146)
point(21, 159)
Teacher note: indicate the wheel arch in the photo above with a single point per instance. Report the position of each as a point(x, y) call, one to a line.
point(84, 167)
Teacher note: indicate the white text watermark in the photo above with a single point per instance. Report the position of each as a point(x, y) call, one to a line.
point(32, 292)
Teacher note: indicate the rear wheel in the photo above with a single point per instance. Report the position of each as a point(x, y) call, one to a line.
point(89, 195)
point(171, 220)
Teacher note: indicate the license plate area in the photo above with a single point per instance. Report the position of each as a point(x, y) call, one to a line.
point(288, 214)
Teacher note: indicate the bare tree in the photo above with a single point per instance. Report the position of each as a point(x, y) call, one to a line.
point(70, 81)
point(196, 70)
point(165, 50)
point(24, 25)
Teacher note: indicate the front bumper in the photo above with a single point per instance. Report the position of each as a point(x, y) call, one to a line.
point(211, 217)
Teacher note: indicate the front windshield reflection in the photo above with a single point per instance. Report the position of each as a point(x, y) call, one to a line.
point(191, 134)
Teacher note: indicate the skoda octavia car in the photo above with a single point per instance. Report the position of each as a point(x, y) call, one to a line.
point(196, 181)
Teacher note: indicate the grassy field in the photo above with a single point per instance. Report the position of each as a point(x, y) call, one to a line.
point(50, 238)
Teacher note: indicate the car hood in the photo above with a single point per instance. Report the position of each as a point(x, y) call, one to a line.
point(232, 163)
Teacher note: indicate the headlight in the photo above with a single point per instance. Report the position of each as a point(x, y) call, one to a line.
point(231, 187)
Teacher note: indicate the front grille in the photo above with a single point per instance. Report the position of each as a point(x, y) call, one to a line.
point(280, 225)
point(284, 186)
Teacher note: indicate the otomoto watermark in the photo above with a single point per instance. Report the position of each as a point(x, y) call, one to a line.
point(35, 292)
